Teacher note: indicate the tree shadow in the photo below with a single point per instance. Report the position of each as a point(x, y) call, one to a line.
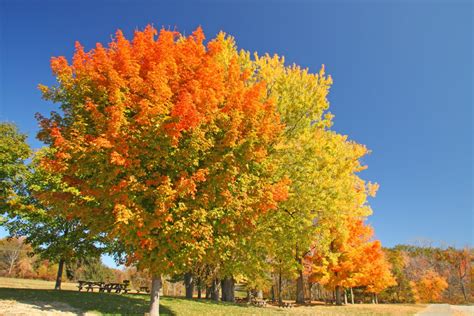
point(105, 303)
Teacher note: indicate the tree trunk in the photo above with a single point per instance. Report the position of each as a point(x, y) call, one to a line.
point(272, 293)
point(376, 298)
point(215, 290)
point(352, 296)
point(228, 287)
point(345, 296)
point(260, 294)
point(189, 285)
point(59, 275)
point(463, 288)
point(249, 297)
point(300, 288)
point(224, 290)
point(155, 295)
point(373, 298)
point(208, 292)
point(280, 297)
point(199, 288)
point(338, 295)
point(10, 269)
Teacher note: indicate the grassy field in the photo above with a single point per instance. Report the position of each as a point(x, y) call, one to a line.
point(36, 292)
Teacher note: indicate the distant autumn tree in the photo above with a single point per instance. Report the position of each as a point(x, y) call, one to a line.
point(161, 141)
point(11, 252)
point(429, 287)
point(460, 263)
point(352, 261)
point(402, 291)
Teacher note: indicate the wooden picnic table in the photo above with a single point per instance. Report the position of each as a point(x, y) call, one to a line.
point(90, 285)
point(145, 289)
point(102, 286)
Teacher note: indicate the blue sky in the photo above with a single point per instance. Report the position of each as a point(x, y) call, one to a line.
point(402, 84)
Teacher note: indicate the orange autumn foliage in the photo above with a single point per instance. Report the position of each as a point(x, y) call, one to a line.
point(429, 287)
point(352, 261)
point(159, 141)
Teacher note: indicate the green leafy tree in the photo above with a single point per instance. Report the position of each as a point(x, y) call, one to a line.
point(13, 170)
point(51, 235)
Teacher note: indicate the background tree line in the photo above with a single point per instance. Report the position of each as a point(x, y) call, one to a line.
point(423, 274)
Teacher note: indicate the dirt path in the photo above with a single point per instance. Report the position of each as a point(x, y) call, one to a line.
point(446, 309)
point(10, 308)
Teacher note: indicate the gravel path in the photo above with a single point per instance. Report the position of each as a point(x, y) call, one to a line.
point(10, 308)
point(446, 309)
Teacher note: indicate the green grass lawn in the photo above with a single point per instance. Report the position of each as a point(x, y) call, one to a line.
point(133, 304)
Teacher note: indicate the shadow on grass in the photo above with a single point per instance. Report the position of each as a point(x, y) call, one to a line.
point(103, 303)
point(204, 301)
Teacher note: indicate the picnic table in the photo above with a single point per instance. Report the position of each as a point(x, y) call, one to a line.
point(286, 305)
point(90, 285)
point(102, 286)
point(261, 303)
point(145, 289)
point(117, 287)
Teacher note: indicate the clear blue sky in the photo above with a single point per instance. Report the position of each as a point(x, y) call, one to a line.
point(403, 82)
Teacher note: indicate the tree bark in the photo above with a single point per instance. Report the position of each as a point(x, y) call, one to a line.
point(461, 280)
point(59, 276)
point(199, 288)
point(345, 296)
point(280, 298)
point(300, 288)
point(352, 296)
point(338, 295)
point(208, 292)
point(215, 290)
point(463, 288)
point(228, 287)
point(189, 285)
point(155, 295)
point(223, 292)
point(376, 298)
point(272, 292)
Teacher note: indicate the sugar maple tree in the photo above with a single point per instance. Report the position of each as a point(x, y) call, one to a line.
point(160, 142)
point(352, 260)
